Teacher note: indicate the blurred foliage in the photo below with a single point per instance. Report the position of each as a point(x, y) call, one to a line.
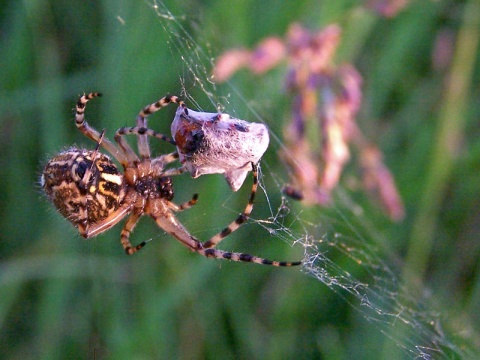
point(63, 297)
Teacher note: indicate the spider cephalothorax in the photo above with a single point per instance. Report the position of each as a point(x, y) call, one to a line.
point(88, 189)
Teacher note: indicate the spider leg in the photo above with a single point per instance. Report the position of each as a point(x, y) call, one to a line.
point(167, 159)
point(143, 147)
point(125, 234)
point(141, 131)
point(129, 153)
point(88, 172)
point(220, 254)
point(168, 222)
point(175, 171)
point(186, 205)
point(90, 230)
point(242, 218)
point(90, 132)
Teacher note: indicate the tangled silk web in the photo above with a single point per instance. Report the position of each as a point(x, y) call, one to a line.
point(331, 244)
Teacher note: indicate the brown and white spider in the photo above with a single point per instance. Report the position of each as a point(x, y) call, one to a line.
point(88, 189)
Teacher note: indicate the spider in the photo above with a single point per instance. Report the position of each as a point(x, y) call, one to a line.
point(88, 189)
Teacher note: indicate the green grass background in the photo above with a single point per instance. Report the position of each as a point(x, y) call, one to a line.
point(64, 297)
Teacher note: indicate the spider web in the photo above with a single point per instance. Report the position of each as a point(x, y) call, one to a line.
point(333, 240)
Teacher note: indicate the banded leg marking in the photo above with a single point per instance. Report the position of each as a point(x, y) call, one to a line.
point(242, 218)
point(125, 235)
point(220, 254)
point(143, 147)
point(93, 134)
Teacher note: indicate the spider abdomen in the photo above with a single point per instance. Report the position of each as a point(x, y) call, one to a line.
point(85, 186)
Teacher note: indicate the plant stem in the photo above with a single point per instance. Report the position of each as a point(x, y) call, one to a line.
point(451, 125)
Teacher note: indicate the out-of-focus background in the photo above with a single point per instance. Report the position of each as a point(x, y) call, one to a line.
point(65, 297)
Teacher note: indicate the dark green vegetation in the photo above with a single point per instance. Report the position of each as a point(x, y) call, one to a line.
point(65, 297)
